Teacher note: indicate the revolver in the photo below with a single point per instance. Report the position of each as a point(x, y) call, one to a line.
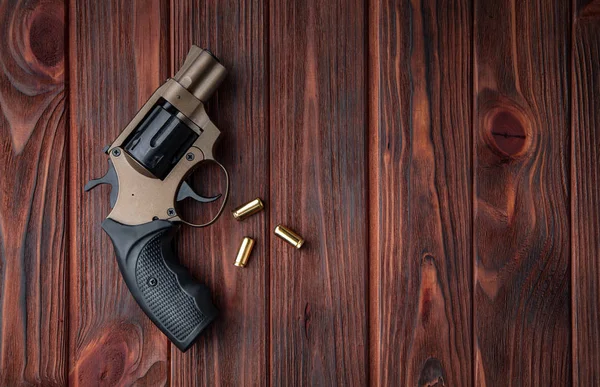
point(148, 163)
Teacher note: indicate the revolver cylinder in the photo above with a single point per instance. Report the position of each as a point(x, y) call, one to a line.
point(160, 140)
point(163, 136)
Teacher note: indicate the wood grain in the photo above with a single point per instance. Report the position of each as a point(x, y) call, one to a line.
point(234, 350)
point(521, 224)
point(33, 194)
point(119, 55)
point(427, 150)
point(585, 213)
point(318, 294)
point(421, 92)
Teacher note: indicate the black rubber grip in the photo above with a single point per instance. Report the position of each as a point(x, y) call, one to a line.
point(178, 304)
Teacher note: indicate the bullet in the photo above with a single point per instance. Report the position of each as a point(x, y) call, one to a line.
point(289, 236)
point(248, 209)
point(244, 252)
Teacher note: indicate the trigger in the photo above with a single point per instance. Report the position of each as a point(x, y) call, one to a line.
point(185, 191)
point(109, 178)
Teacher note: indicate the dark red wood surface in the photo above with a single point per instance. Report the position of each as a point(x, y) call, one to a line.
point(440, 158)
point(318, 295)
point(521, 229)
point(585, 191)
point(421, 193)
point(34, 154)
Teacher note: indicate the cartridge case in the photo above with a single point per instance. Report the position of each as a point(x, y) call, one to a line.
point(248, 209)
point(289, 236)
point(244, 252)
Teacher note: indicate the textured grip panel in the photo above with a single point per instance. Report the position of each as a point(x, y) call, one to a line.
point(176, 302)
point(173, 308)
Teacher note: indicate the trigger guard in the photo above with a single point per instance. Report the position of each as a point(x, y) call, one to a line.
point(225, 197)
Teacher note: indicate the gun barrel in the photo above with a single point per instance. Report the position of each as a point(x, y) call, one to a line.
point(201, 73)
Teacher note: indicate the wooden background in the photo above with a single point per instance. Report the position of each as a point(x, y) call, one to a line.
point(440, 157)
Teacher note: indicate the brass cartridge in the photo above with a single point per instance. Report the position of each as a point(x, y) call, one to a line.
point(248, 209)
point(289, 236)
point(244, 252)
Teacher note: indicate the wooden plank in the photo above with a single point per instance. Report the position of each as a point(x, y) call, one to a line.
point(421, 189)
point(119, 54)
point(521, 225)
point(318, 319)
point(34, 156)
point(585, 192)
point(234, 350)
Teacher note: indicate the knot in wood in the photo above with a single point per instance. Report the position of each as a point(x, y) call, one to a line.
point(505, 125)
point(507, 132)
point(432, 374)
point(46, 39)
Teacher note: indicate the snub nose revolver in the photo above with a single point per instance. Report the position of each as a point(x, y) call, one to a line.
point(147, 166)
